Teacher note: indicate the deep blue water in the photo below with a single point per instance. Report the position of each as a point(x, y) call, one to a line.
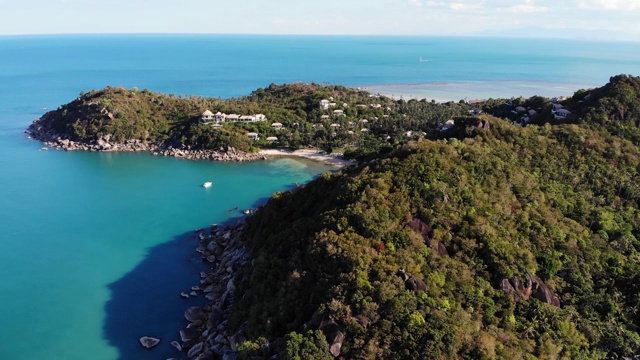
point(95, 248)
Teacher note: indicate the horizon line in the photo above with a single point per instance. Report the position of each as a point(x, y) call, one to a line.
point(485, 36)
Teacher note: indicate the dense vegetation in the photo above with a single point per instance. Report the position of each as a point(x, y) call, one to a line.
point(558, 201)
point(465, 210)
point(369, 125)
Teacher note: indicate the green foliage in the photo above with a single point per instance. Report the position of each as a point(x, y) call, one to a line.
point(560, 201)
point(311, 345)
point(370, 128)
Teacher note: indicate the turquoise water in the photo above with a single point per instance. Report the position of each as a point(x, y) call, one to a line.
point(96, 247)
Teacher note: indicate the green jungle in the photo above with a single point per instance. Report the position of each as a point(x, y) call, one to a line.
point(487, 231)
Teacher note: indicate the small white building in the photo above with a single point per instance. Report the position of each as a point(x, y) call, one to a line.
point(364, 121)
point(260, 117)
point(247, 118)
point(324, 104)
point(338, 112)
point(232, 118)
point(253, 136)
point(324, 117)
point(206, 117)
point(220, 117)
point(335, 126)
point(272, 139)
point(277, 126)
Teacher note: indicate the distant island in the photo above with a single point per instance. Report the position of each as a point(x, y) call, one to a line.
point(497, 228)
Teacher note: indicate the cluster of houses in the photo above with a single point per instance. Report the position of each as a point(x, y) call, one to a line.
point(216, 120)
point(557, 110)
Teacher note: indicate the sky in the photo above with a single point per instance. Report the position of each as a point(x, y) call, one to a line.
point(602, 19)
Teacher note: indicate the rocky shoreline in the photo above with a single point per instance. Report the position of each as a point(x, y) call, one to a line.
point(49, 137)
point(208, 335)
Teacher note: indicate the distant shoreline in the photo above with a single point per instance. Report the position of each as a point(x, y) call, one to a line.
point(460, 90)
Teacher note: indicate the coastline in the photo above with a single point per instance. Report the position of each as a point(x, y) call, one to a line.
point(460, 90)
point(51, 139)
point(315, 155)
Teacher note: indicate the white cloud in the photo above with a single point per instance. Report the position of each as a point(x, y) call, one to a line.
point(524, 9)
point(614, 5)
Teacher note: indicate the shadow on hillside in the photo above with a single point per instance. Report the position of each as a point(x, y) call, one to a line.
point(146, 301)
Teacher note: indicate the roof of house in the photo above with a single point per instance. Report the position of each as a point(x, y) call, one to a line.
point(207, 113)
point(276, 124)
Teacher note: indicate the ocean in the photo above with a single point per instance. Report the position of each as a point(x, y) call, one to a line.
point(96, 247)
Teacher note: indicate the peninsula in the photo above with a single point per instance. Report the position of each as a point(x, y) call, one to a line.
point(506, 228)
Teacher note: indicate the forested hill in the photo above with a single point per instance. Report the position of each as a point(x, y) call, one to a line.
point(350, 120)
point(497, 241)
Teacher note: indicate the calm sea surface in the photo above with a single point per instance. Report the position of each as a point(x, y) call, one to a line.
point(96, 247)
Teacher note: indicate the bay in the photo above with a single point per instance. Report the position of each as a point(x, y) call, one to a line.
point(95, 247)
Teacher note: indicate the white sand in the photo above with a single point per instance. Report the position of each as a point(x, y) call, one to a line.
point(316, 155)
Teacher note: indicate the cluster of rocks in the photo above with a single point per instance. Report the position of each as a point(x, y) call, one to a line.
point(42, 131)
point(208, 335)
point(223, 154)
point(533, 286)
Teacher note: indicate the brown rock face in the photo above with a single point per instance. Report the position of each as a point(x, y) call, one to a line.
point(533, 286)
point(415, 284)
point(421, 227)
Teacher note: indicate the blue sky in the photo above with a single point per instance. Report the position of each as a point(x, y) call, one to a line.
point(607, 19)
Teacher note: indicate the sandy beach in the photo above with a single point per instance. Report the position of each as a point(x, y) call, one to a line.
point(316, 155)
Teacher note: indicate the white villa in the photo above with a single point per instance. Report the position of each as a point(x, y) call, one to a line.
point(247, 118)
point(208, 118)
point(324, 117)
point(277, 126)
point(253, 136)
point(334, 125)
point(338, 112)
point(272, 139)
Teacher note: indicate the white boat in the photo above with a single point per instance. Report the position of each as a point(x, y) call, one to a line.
point(207, 184)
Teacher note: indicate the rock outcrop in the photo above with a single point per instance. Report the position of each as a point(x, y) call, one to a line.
point(533, 286)
point(207, 335)
point(411, 282)
point(148, 342)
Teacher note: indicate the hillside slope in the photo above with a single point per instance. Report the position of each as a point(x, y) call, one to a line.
point(516, 242)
